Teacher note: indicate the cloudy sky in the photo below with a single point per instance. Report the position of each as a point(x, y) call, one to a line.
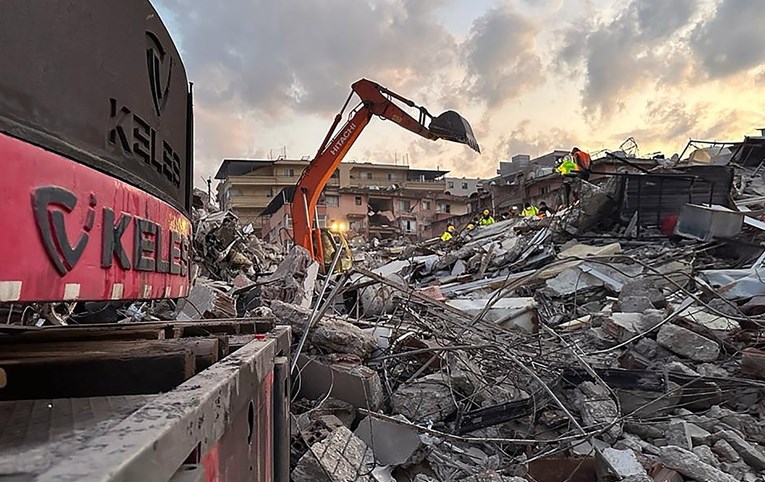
point(529, 75)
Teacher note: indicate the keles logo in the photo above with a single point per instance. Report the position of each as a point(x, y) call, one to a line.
point(61, 252)
point(160, 67)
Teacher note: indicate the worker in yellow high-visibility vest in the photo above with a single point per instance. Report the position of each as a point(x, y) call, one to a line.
point(448, 234)
point(486, 219)
point(529, 211)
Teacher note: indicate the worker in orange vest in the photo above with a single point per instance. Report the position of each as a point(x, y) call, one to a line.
point(583, 161)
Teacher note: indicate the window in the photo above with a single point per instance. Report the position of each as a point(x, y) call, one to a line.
point(450, 185)
point(464, 185)
point(367, 175)
point(447, 208)
point(544, 190)
point(322, 220)
point(426, 205)
point(404, 205)
point(391, 176)
point(288, 172)
point(288, 221)
point(233, 193)
point(332, 201)
point(409, 226)
point(357, 200)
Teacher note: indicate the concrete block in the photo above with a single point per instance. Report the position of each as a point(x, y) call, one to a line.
point(426, 399)
point(706, 455)
point(726, 451)
point(688, 344)
point(341, 457)
point(635, 304)
point(513, 313)
point(597, 407)
point(339, 336)
point(751, 454)
point(619, 463)
point(356, 384)
point(689, 465)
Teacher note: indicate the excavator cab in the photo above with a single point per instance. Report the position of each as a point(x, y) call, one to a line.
point(331, 241)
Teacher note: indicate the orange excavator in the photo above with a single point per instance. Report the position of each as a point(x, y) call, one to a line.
point(376, 100)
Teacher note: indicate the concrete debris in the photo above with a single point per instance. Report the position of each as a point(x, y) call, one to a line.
point(340, 336)
point(620, 464)
point(428, 399)
point(598, 409)
point(686, 343)
point(705, 454)
point(689, 464)
point(341, 457)
point(492, 476)
point(726, 451)
point(751, 454)
point(463, 360)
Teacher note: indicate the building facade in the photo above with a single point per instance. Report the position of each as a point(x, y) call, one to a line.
point(365, 199)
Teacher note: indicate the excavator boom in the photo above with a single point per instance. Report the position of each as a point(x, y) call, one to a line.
point(375, 101)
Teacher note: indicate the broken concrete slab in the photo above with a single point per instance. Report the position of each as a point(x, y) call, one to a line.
point(689, 464)
point(623, 326)
point(619, 464)
point(339, 336)
point(294, 279)
point(341, 457)
point(751, 454)
point(512, 313)
point(492, 476)
point(634, 304)
point(644, 287)
point(426, 399)
point(570, 281)
point(706, 455)
point(205, 301)
point(726, 451)
point(688, 344)
point(392, 443)
point(356, 384)
point(379, 299)
point(579, 251)
point(597, 407)
point(290, 315)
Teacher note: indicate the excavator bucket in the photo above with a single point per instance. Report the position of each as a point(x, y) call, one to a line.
point(453, 127)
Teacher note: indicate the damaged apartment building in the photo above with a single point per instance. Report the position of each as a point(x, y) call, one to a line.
point(364, 200)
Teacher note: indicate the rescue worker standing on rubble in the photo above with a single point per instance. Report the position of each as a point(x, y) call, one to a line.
point(583, 161)
point(448, 234)
point(486, 219)
point(529, 211)
point(572, 167)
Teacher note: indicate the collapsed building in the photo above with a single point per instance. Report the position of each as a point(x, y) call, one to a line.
point(620, 339)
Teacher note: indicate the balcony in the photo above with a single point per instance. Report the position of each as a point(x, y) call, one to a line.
point(438, 185)
point(263, 180)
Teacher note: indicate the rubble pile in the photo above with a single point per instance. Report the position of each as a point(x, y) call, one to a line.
point(553, 349)
point(582, 346)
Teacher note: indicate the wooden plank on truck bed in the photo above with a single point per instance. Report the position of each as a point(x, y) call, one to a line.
point(86, 332)
point(96, 374)
point(232, 326)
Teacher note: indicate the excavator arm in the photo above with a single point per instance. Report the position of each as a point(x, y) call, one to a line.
point(375, 100)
